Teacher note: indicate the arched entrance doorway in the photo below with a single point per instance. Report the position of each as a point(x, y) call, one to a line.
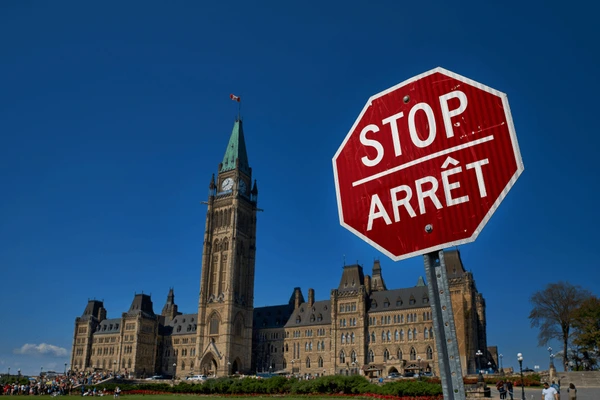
point(208, 365)
point(234, 367)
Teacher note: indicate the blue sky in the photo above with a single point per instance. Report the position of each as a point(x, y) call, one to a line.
point(114, 116)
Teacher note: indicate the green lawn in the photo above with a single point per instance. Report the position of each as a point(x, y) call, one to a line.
point(207, 397)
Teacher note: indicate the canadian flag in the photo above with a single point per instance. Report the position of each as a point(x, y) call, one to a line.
point(234, 97)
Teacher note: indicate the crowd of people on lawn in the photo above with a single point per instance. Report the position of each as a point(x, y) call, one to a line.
point(60, 385)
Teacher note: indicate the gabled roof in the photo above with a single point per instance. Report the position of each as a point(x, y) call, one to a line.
point(352, 278)
point(272, 316)
point(454, 265)
point(399, 299)
point(236, 150)
point(92, 309)
point(305, 315)
point(183, 324)
point(141, 304)
point(108, 326)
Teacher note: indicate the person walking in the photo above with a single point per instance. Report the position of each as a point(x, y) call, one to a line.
point(501, 386)
point(572, 391)
point(510, 388)
point(549, 393)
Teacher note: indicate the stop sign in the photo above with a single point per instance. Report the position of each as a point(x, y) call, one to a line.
point(426, 164)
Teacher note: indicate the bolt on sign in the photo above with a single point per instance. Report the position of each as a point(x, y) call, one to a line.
point(426, 164)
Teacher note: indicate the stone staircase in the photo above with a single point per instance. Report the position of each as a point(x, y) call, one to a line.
point(581, 379)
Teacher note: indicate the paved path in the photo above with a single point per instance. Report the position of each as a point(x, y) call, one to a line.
point(536, 394)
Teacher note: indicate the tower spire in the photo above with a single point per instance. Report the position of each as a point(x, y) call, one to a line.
point(235, 154)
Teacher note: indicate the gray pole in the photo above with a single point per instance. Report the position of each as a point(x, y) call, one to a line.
point(444, 330)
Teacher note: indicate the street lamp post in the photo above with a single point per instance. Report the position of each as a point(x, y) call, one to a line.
point(479, 354)
point(41, 372)
point(550, 354)
point(353, 368)
point(419, 360)
point(489, 366)
point(501, 370)
point(520, 359)
point(228, 368)
point(174, 373)
point(65, 369)
point(114, 368)
point(9, 372)
point(19, 374)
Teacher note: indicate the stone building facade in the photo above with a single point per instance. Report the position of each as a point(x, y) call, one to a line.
point(362, 328)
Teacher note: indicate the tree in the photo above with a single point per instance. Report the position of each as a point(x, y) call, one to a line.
point(586, 326)
point(553, 312)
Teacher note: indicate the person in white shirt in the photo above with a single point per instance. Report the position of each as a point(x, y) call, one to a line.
point(549, 393)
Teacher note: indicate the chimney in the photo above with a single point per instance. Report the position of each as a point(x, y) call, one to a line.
point(311, 297)
point(298, 298)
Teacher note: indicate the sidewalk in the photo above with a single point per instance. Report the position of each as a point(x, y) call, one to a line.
point(536, 393)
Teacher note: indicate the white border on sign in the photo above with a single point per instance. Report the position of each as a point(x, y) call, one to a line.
point(511, 182)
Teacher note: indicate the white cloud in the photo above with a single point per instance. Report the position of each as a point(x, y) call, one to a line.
point(43, 348)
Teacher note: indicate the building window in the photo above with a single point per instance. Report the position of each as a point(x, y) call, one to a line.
point(307, 362)
point(413, 354)
point(386, 303)
point(214, 325)
point(386, 355)
point(342, 357)
point(399, 354)
point(429, 353)
point(353, 356)
point(319, 363)
point(371, 356)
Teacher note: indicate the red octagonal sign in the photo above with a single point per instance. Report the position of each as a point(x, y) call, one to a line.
point(426, 164)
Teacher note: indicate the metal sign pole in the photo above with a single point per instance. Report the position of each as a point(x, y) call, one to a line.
point(444, 329)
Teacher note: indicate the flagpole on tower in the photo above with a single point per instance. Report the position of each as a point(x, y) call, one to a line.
point(239, 101)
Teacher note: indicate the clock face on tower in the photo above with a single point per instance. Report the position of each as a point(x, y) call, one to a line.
point(242, 186)
point(227, 184)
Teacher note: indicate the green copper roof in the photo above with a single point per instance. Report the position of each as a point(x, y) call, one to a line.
point(236, 150)
point(420, 282)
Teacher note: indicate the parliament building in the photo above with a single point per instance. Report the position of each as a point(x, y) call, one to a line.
point(362, 327)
